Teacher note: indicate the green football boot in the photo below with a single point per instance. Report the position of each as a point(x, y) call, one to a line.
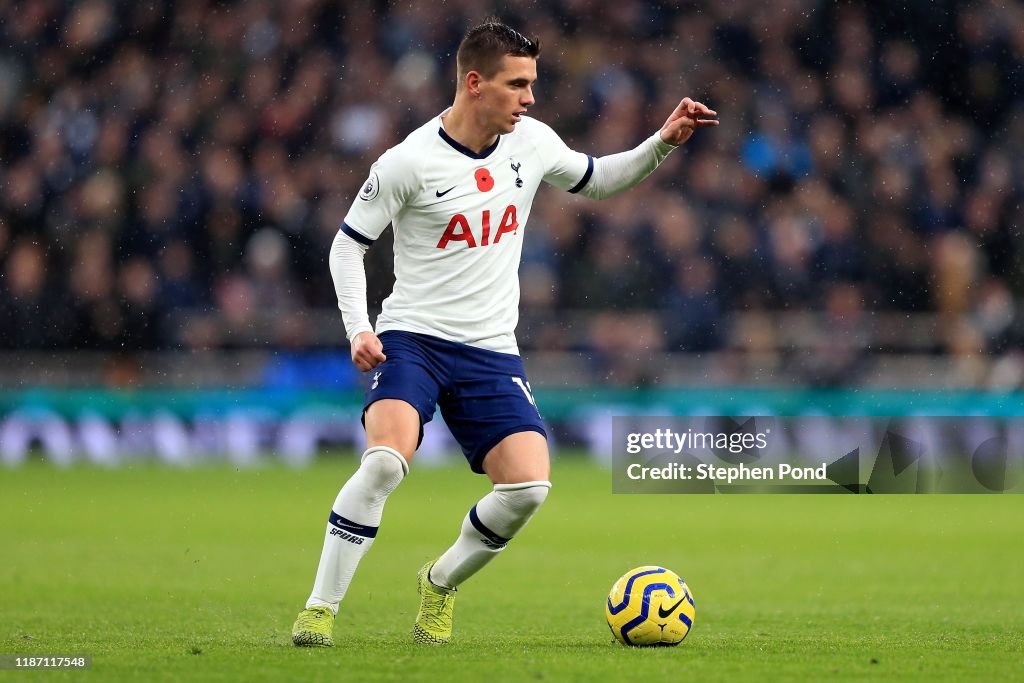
point(313, 627)
point(434, 621)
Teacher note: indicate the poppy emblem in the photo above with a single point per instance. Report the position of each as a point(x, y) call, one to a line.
point(484, 180)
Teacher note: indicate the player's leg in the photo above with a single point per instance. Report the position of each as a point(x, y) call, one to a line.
point(400, 399)
point(517, 458)
point(392, 428)
point(519, 468)
point(493, 416)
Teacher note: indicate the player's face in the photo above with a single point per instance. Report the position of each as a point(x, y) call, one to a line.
point(505, 97)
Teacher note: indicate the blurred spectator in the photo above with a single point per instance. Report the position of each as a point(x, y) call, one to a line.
point(31, 315)
point(838, 354)
point(198, 156)
point(692, 312)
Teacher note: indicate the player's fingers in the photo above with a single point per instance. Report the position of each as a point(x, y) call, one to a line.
point(702, 123)
point(683, 107)
point(376, 351)
point(704, 109)
point(371, 356)
point(363, 359)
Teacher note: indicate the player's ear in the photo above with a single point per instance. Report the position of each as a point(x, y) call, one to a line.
point(473, 81)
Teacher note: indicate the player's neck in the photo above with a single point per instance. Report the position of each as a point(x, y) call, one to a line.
point(460, 126)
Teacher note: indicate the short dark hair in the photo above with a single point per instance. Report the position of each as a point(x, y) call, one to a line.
point(485, 45)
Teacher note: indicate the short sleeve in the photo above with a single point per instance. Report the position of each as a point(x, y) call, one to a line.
point(564, 168)
point(381, 197)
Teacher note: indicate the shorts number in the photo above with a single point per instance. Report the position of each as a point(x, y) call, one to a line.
point(525, 386)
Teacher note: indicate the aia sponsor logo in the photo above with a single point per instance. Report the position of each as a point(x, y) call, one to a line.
point(459, 230)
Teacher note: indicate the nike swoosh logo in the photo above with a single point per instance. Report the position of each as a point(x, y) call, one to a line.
point(441, 194)
point(667, 613)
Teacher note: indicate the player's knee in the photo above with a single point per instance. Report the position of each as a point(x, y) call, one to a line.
point(394, 423)
point(522, 500)
point(383, 468)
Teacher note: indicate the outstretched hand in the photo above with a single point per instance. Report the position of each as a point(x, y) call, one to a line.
point(686, 118)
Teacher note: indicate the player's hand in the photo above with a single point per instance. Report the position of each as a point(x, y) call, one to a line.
point(686, 118)
point(367, 351)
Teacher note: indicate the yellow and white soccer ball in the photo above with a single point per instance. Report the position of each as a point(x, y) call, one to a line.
point(650, 606)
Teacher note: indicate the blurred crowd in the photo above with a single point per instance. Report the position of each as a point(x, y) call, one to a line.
point(175, 169)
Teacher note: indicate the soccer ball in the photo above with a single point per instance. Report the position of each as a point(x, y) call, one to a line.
point(650, 606)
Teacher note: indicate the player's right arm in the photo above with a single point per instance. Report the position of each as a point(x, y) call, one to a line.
point(381, 198)
point(349, 276)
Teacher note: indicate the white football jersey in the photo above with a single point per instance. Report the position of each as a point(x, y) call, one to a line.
point(459, 219)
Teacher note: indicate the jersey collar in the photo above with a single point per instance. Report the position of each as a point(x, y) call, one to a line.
point(462, 149)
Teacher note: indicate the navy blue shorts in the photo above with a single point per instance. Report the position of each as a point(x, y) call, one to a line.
point(484, 395)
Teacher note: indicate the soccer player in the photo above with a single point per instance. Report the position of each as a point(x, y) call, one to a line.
point(458, 192)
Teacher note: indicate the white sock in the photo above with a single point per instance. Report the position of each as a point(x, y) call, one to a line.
point(487, 529)
point(353, 523)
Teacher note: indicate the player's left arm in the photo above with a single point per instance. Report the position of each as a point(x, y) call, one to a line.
point(609, 175)
point(617, 172)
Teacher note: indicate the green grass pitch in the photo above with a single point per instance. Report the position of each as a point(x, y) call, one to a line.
point(164, 574)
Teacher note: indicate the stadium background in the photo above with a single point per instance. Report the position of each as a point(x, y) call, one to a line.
point(847, 243)
point(174, 173)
